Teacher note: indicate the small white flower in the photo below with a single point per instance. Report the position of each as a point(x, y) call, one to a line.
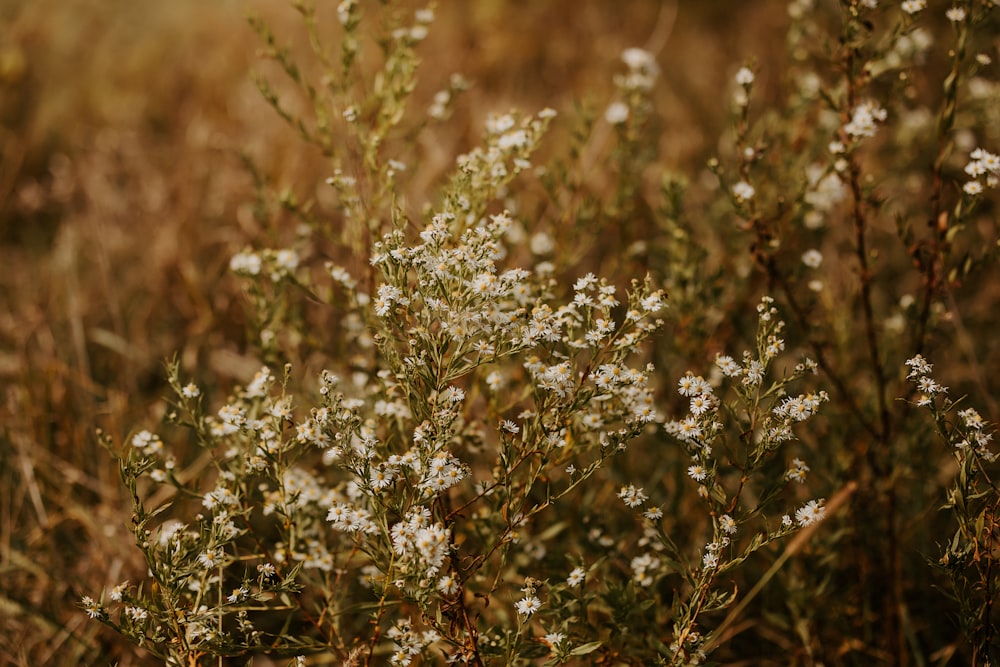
point(812, 258)
point(810, 513)
point(743, 191)
point(554, 638)
point(118, 591)
point(210, 559)
point(864, 119)
point(728, 365)
point(448, 584)
point(973, 188)
point(744, 76)
point(510, 427)
point(635, 58)
point(632, 496)
point(914, 6)
point(92, 607)
point(136, 613)
point(697, 472)
point(237, 594)
point(542, 244)
point(616, 113)
point(246, 263)
point(528, 606)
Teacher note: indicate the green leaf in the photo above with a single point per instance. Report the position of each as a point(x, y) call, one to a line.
point(586, 648)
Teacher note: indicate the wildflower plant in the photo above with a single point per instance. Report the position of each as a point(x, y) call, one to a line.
point(456, 445)
point(725, 458)
point(402, 493)
point(973, 499)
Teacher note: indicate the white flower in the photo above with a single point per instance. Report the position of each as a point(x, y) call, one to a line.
point(635, 58)
point(554, 638)
point(510, 140)
point(541, 243)
point(286, 260)
point(744, 76)
point(632, 496)
point(344, 10)
point(743, 191)
point(812, 258)
point(728, 365)
point(448, 584)
point(955, 14)
point(642, 567)
point(919, 366)
point(616, 113)
point(864, 119)
point(246, 263)
point(914, 6)
point(136, 613)
point(118, 591)
point(810, 513)
point(211, 558)
point(528, 605)
point(92, 607)
point(797, 471)
point(697, 472)
point(237, 594)
point(643, 70)
point(701, 404)
point(576, 576)
point(693, 385)
point(510, 426)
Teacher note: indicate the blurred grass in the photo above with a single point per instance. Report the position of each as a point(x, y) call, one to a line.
point(123, 195)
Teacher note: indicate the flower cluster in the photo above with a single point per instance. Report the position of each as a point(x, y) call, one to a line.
point(408, 643)
point(864, 120)
point(642, 70)
point(984, 168)
point(276, 264)
point(420, 545)
point(766, 415)
point(634, 88)
point(971, 434)
point(920, 374)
